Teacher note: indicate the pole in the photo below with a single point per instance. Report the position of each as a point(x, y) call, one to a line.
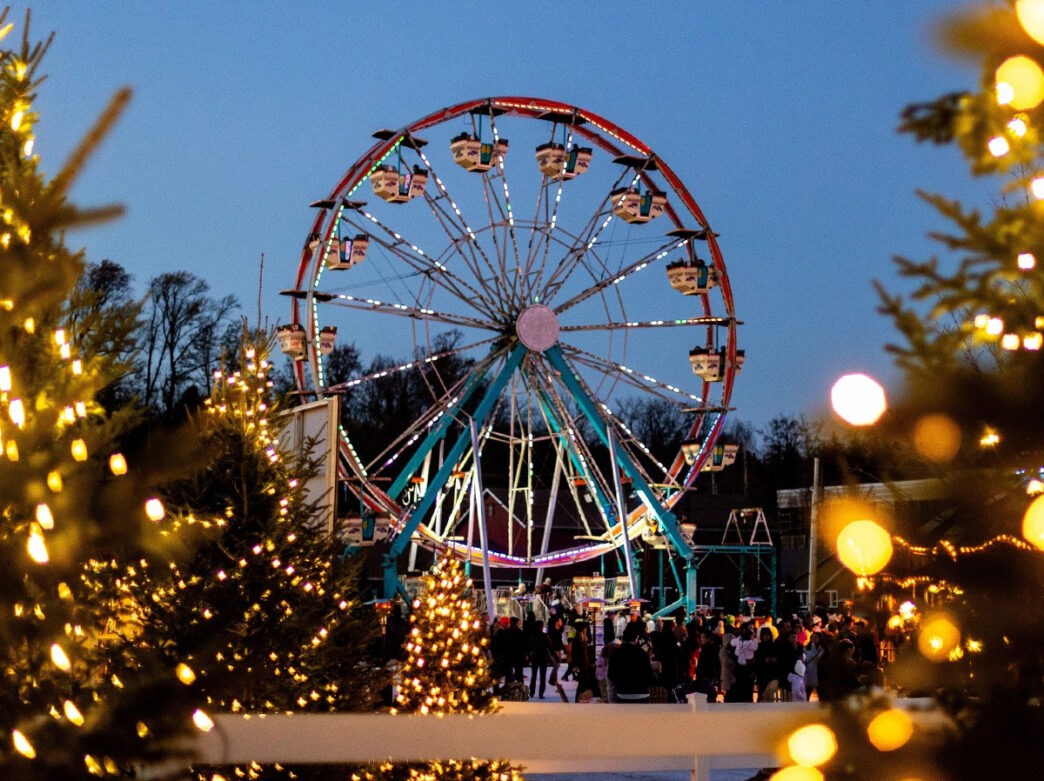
point(480, 505)
point(813, 521)
point(621, 511)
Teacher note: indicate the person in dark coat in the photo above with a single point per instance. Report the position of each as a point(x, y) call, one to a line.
point(581, 663)
point(514, 652)
point(630, 670)
point(554, 634)
point(539, 658)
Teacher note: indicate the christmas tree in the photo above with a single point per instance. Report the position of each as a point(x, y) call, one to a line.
point(446, 670)
point(79, 697)
point(268, 615)
point(970, 411)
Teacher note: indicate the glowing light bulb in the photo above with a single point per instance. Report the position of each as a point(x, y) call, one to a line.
point(812, 745)
point(72, 713)
point(118, 464)
point(858, 399)
point(1010, 341)
point(154, 510)
point(11, 449)
point(61, 661)
point(202, 721)
point(77, 367)
point(1026, 260)
point(16, 120)
point(980, 320)
point(1037, 187)
point(5, 378)
point(1033, 341)
point(939, 636)
point(1031, 17)
point(21, 742)
point(1033, 523)
point(29, 325)
point(890, 730)
point(16, 412)
point(54, 482)
point(44, 517)
point(994, 326)
point(998, 146)
point(59, 336)
point(989, 438)
point(864, 547)
point(78, 448)
point(1017, 127)
point(185, 674)
point(1024, 78)
point(37, 548)
point(66, 350)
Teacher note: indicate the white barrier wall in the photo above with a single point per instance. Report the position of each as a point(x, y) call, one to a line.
point(543, 737)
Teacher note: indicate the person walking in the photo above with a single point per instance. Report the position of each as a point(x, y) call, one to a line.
point(539, 658)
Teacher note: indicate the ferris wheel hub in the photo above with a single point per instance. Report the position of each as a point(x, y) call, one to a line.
point(537, 327)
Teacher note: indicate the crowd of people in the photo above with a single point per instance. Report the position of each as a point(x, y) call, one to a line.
point(724, 657)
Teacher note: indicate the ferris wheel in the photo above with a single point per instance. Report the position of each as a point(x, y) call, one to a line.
point(538, 268)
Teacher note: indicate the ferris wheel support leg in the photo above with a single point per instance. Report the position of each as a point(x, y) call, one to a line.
point(438, 482)
point(692, 586)
point(667, 520)
point(438, 431)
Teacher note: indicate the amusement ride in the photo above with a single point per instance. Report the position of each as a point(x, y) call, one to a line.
point(544, 266)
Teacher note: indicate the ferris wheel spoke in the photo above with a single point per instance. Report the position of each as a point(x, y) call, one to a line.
point(443, 406)
point(614, 279)
point(433, 269)
point(676, 323)
point(402, 310)
point(406, 366)
point(506, 211)
point(466, 235)
point(573, 259)
point(632, 377)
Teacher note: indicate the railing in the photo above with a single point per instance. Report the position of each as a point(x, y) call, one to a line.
point(542, 737)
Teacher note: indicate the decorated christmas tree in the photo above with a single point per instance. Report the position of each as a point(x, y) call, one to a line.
point(79, 698)
point(268, 615)
point(973, 637)
point(445, 670)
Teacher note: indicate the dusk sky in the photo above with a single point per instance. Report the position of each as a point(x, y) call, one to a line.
point(779, 117)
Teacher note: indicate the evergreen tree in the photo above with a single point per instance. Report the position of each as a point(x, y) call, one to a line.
point(971, 413)
point(77, 698)
point(268, 616)
point(446, 670)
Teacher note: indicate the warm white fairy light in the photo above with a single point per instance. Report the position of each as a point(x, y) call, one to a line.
point(1037, 187)
point(1017, 126)
point(994, 326)
point(998, 146)
point(1010, 341)
point(1026, 260)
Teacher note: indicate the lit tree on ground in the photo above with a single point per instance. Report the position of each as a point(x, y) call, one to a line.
point(268, 615)
point(77, 699)
point(446, 670)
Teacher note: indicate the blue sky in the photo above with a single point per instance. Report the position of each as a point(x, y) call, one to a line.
point(779, 117)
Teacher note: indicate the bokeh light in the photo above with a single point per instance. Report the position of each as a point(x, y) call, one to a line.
point(890, 730)
point(864, 547)
point(858, 399)
point(812, 745)
point(937, 438)
point(1026, 82)
point(1033, 523)
point(797, 773)
point(1031, 17)
point(939, 636)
